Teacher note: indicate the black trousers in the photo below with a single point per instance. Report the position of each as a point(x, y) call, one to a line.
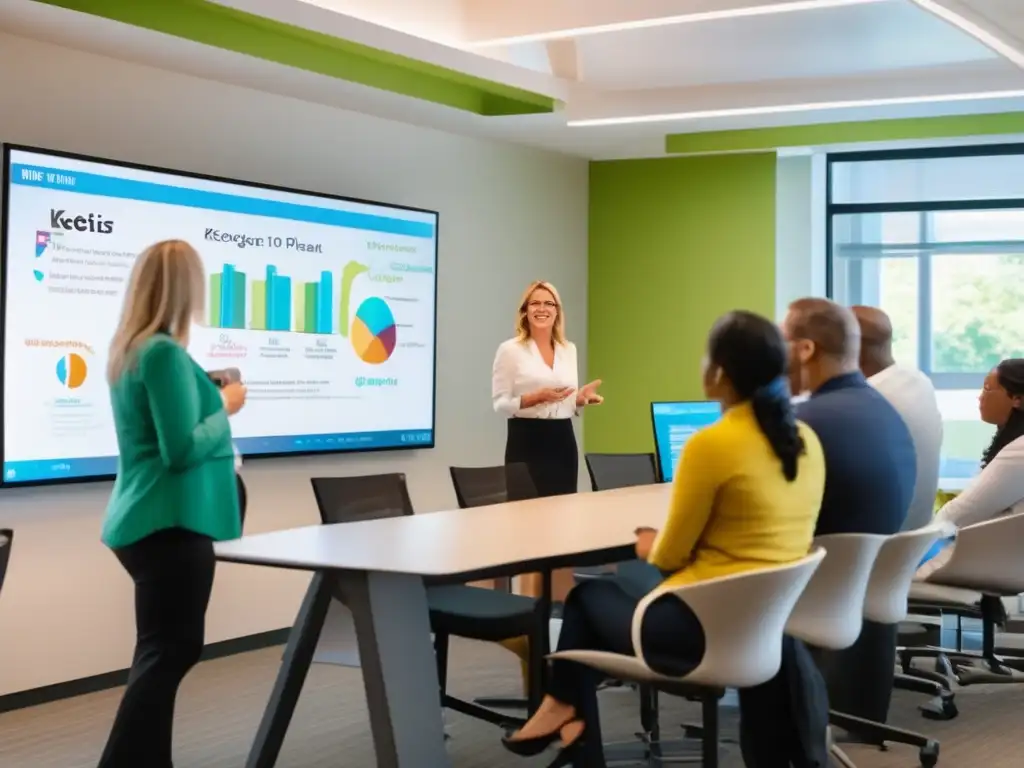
point(548, 448)
point(598, 616)
point(784, 722)
point(243, 496)
point(173, 574)
point(860, 678)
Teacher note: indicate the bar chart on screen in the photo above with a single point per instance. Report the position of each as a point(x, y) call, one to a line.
point(278, 302)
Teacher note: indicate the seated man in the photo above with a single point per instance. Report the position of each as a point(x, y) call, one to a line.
point(870, 474)
point(912, 394)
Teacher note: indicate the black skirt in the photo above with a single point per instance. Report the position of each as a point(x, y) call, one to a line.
point(548, 448)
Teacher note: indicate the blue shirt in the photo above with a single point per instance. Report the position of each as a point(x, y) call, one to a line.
point(870, 463)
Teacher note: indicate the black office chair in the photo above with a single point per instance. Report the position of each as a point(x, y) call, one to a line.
point(6, 542)
point(480, 487)
point(619, 470)
point(456, 609)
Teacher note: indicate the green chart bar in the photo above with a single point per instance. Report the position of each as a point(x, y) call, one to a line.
point(214, 312)
point(259, 305)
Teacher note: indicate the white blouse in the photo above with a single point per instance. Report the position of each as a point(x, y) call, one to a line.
point(519, 369)
point(997, 491)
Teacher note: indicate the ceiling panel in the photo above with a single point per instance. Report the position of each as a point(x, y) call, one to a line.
point(841, 41)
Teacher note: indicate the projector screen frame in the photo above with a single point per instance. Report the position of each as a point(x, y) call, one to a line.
point(5, 161)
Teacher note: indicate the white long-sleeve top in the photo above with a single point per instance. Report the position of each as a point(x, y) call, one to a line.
point(520, 369)
point(912, 394)
point(997, 491)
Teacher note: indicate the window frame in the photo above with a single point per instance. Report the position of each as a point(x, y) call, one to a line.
point(948, 381)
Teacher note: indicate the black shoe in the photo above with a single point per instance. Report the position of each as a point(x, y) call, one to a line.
point(529, 747)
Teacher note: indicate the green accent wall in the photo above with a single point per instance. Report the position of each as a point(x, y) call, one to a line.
point(674, 243)
point(214, 25)
point(760, 139)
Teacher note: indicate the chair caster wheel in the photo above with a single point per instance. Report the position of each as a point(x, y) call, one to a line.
point(940, 708)
point(929, 754)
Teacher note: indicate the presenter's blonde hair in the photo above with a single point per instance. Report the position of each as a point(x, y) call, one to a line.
point(166, 293)
point(523, 320)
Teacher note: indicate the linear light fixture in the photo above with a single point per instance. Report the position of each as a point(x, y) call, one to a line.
point(785, 108)
point(980, 34)
point(785, 6)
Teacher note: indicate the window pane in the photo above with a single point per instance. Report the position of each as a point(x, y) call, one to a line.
point(977, 226)
point(898, 297)
point(977, 310)
point(929, 179)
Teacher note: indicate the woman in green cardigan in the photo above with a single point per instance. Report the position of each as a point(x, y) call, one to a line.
point(175, 492)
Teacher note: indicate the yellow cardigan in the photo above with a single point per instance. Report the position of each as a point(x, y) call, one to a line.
point(732, 509)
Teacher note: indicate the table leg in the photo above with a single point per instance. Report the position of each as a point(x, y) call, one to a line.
point(399, 670)
point(298, 655)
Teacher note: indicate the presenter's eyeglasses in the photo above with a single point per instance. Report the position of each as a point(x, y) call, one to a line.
point(544, 304)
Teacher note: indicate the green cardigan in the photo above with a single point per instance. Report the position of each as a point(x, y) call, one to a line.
point(176, 465)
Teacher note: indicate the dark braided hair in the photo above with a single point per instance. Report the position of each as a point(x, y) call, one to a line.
point(753, 356)
point(1010, 374)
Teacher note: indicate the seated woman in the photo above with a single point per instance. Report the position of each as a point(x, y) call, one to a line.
point(999, 489)
point(746, 495)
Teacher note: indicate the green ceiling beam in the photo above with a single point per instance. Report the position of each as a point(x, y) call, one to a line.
point(766, 139)
point(211, 24)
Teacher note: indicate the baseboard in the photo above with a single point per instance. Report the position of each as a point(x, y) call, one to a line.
point(71, 688)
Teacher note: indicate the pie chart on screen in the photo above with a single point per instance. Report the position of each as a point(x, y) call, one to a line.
point(71, 371)
point(373, 331)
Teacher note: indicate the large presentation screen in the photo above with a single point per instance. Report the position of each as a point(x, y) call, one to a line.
point(326, 306)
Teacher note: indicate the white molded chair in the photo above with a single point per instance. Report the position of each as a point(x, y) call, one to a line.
point(986, 565)
point(885, 602)
point(743, 617)
point(830, 612)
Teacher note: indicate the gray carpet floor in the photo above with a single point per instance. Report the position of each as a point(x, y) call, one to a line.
point(221, 703)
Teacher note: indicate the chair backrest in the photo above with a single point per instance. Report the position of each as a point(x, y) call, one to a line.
point(830, 612)
point(6, 541)
point(481, 486)
point(621, 470)
point(893, 573)
point(361, 497)
point(743, 617)
point(988, 557)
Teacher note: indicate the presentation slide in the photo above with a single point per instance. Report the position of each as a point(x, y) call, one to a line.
point(326, 306)
point(674, 423)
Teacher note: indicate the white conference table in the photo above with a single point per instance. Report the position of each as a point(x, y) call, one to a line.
point(377, 568)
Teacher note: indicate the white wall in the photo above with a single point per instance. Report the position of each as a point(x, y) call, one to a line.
point(799, 228)
point(508, 215)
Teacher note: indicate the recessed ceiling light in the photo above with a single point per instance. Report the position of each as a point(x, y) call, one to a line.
point(785, 6)
point(983, 36)
point(784, 108)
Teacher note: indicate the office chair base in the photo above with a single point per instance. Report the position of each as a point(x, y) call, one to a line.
point(487, 714)
point(879, 733)
point(496, 702)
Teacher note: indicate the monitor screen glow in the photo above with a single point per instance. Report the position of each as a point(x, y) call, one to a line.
point(674, 423)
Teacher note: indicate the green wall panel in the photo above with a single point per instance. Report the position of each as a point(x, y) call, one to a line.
point(214, 25)
point(760, 139)
point(674, 243)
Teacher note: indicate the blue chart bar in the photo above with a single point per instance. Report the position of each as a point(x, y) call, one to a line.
point(323, 303)
point(281, 288)
point(271, 308)
point(227, 296)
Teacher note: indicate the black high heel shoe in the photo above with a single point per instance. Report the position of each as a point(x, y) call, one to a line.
point(529, 747)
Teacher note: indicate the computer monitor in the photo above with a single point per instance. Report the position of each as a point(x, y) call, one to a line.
point(674, 423)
